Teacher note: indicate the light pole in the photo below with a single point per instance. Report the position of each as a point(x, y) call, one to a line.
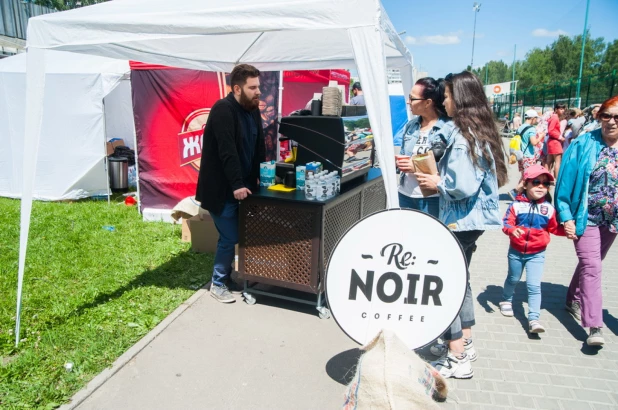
point(476, 8)
point(581, 60)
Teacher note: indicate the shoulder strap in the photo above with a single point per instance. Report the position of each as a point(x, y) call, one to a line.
point(521, 134)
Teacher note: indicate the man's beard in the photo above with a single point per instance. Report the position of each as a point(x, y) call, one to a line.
point(247, 103)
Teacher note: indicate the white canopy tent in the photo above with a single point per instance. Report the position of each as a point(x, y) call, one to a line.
point(215, 36)
point(87, 101)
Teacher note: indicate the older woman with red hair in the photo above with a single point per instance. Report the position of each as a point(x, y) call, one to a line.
point(587, 204)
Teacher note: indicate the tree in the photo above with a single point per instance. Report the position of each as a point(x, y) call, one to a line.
point(62, 5)
point(610, 57)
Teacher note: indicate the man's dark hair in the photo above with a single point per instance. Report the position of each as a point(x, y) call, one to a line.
point(559, 105)
point(241, 72)
point(357, 86)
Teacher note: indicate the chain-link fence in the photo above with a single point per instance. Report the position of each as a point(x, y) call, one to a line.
point(594, 89)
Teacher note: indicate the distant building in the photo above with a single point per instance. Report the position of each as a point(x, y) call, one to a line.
point(394, 76)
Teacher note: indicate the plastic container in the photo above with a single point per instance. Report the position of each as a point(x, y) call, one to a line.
point(300, 177)
point(310, 188)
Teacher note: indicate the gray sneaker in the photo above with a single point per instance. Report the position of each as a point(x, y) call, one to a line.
point(575, 309)
point(222, 294)
point(596, 337)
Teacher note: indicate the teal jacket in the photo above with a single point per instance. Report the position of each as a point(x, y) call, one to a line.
point(574, 178)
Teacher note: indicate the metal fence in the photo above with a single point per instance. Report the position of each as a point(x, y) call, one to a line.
point(594, 89)
point(14, 15)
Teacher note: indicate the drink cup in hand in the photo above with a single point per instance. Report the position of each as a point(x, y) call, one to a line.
point(404, 163)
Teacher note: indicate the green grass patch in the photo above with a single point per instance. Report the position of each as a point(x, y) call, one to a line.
point(89, 294)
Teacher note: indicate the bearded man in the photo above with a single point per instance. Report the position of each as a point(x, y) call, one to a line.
point(232, 149)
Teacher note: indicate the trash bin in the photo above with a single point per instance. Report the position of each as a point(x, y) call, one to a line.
point(118, 173)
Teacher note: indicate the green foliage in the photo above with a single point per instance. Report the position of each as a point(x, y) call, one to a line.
point(89, 294)
point(557, 62)
point(62, 5)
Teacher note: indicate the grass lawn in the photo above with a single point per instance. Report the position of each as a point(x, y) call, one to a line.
point(89, 294)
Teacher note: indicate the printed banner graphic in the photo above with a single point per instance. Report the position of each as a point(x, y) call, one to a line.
point(171, 107)
point(397, 269)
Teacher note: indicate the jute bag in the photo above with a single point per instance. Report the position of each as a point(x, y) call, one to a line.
point(389, 376)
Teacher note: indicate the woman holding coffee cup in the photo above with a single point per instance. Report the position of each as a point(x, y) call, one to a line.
point(471, 170)
point(420, 134)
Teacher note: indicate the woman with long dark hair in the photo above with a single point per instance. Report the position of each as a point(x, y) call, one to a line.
point(470, 172)
point(420, 135)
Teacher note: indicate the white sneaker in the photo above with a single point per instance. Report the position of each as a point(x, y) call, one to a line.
point(441, 349)
point(452, 367)
point(534, 326)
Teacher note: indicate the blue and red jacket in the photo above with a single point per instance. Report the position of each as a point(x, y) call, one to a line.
point(536, 218)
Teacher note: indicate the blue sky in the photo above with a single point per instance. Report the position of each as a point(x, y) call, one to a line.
point(439, 32)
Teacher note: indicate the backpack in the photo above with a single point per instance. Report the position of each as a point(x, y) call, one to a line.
point(516, 153)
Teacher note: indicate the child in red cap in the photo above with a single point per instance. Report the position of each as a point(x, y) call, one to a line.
point(528, 222)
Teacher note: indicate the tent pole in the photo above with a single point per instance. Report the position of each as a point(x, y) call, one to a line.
point(280, 111)
point(109, 192)
point(139, 198)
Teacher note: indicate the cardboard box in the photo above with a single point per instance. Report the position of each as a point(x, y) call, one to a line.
point(113, 144)
point(202, 233)
point(186, 233)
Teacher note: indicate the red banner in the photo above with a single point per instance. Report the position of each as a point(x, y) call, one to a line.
point(171, 106)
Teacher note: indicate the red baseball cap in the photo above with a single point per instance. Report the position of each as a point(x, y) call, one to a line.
point(537, 170)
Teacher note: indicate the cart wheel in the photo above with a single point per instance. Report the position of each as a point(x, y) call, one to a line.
point(249, 299)
point(323, 312)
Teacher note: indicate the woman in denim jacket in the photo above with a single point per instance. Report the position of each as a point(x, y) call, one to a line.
point(471, 170)
point(421, 132)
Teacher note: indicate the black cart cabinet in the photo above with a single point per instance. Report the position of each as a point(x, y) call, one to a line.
point(286, 240)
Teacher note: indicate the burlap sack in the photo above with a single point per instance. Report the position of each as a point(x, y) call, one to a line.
point(389, 376)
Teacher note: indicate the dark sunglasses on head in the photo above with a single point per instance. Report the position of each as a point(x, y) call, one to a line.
point(537, 182)
point(607, 117)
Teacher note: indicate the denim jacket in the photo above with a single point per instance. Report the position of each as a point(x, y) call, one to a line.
point(574, 179)
point(468, 195)
point(411, 134)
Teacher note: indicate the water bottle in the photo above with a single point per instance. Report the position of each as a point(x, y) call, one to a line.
point(322, 189)
point(337, 183)
point(310, 191)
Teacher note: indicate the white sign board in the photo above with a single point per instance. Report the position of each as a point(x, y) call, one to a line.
point(397, 269)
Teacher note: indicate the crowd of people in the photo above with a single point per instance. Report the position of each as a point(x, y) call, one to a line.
point(577, 151)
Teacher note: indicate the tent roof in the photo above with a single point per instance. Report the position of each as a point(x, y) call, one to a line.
point(214, 35)
point(67, 63)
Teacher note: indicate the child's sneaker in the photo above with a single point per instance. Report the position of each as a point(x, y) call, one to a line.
point(454, 367)
point(506, 308)
point(534, 326)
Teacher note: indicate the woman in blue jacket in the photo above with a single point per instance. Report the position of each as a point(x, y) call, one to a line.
point(420, 134)
point(471, 170)
point(587, 204)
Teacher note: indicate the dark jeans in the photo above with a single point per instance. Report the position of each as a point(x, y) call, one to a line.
point(467, 239)
point(227, 225)
point(429, 205)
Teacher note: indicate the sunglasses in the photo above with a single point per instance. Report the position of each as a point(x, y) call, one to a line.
point(537, 182)
point(605, 117)
point(410, 98)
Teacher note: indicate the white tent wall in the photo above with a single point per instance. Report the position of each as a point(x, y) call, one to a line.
point(210, 35)
point(71, 152)
point(119, 121)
